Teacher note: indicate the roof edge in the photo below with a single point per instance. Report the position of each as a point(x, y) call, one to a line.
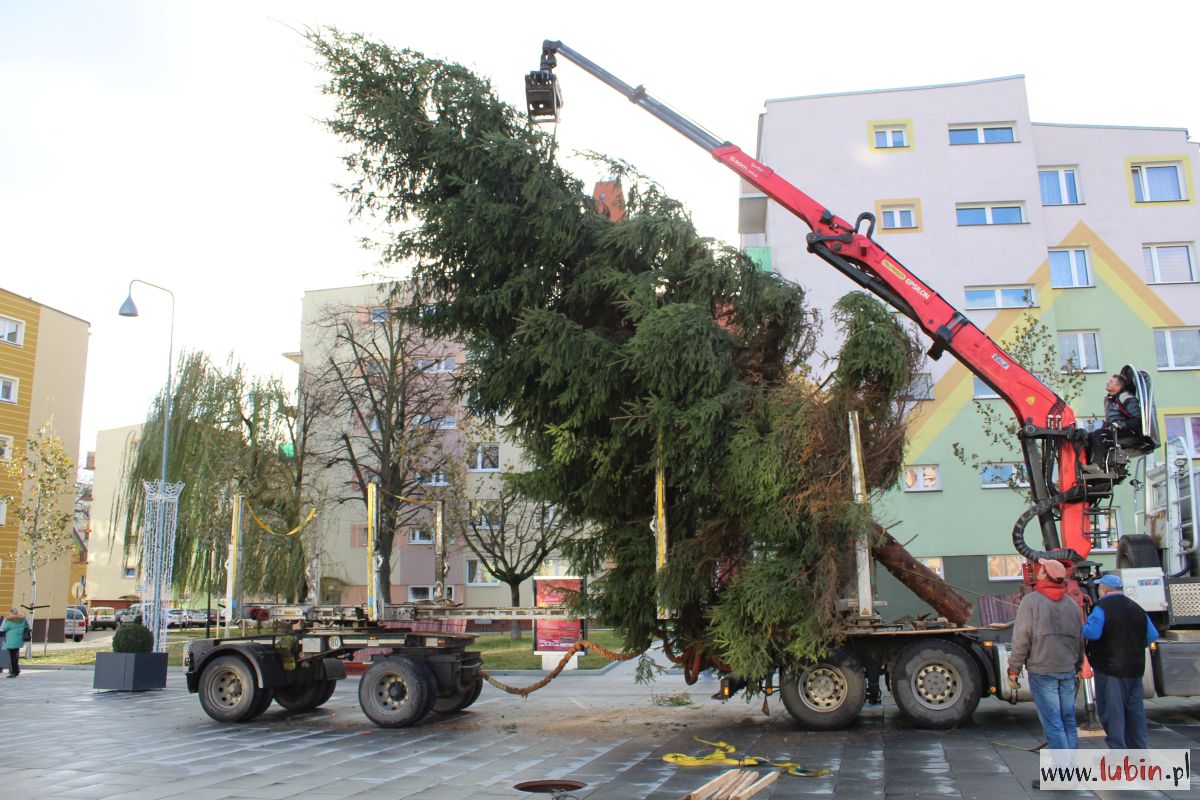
point(896, 89)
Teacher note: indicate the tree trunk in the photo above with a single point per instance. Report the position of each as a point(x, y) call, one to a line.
point(514, 631)
point(919, 578)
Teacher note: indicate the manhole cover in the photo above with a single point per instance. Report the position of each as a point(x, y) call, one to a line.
point(556, 787)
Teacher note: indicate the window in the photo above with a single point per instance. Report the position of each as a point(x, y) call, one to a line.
point(373, 424)
point(486, 458)
point(373, 368)
point(478, 574)
point(378, 314)
point(935, 564)
point(1169, 263)
point(433, 478)
point(1106, 529)
point(555, 567)
point(1157, 182)
point(6, 448)
point(1001, 297)
point(8, 389)
point(982, 391)
point(12, 331)
point(1079, 350)
point(1059, 187)
point(889, 136)
point(130, 572)
point(1177, 348)
point(3, 513)
point(998, 133)
point(1005, 568)
point(921, 388)
point(997, 476)
point(990, 214)
point(895, 217)
point(438, 421)
point(358, 535)
point(484, 513)
point(1186, 428)
point(420, 536)
point(1069, 268)
point(437, 366)
point(420, 594)
point(922, 478)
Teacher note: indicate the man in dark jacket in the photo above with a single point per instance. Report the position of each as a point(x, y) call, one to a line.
point(1046, 641)
point(1118, 632)
point(1122, 412)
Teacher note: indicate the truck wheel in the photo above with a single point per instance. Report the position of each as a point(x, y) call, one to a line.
point(937, 684)
point(262, 701)
point(827, 695)
point(327, 690)
point(457, 702)
point(396, 692)
point(305, 697)
point(227, 691)
point(1137, 550)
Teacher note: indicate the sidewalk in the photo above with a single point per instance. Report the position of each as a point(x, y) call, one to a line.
point(603, 730)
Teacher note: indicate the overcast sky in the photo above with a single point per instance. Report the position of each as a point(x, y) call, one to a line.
point(178, 142)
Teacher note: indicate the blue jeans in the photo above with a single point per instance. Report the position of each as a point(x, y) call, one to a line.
point(1054, 696)
point(1120, 703)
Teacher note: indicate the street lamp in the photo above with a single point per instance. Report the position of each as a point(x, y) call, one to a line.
point(158, 543)
point(128, 309)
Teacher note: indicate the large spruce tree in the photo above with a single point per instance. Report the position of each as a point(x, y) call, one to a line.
point(610, 347)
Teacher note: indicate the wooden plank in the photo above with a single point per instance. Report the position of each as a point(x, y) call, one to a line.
point(755, 788)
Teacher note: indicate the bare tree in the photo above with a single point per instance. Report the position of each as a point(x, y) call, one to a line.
point(45, 474)
point(388, 412)
point(511, 535)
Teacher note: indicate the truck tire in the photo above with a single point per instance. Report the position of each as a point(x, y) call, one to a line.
point(827, 695)
point(303, 697)
point(262, 701)
point(457, 702)
point(1137, 550)
point(227, 690)
point(937, 684)
point(329, 687)
point(396, 692)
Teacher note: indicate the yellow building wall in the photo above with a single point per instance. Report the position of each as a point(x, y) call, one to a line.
point(16, 361)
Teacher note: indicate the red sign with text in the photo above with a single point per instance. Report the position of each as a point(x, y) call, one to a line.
point(555, 635)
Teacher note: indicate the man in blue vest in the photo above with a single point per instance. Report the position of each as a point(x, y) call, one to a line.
point(1118, 632)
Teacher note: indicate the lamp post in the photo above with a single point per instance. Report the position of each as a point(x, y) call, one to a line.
point(158, 544)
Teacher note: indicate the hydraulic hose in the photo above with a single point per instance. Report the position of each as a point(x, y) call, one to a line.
point(1037, 509)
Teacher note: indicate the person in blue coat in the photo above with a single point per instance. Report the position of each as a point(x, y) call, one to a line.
point(13, 632)
point(1118, 632)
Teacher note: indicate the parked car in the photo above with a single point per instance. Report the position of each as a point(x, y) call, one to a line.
point(131, 614)
point(104, 617)
point(75, 625)
point(178, 618)
point(82, 610)
point(199, 617)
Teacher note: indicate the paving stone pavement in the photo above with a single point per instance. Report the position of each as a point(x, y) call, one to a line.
point(63, 740)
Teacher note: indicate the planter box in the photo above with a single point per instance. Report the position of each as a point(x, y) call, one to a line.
point(130, 672)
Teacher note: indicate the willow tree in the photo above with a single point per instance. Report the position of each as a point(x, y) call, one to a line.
point(615, 351)
point(230, 434)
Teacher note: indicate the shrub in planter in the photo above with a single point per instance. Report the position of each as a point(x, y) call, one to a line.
point(131, 667)
point(134, 638)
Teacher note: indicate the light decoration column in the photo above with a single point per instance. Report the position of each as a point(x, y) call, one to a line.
point(158, 555)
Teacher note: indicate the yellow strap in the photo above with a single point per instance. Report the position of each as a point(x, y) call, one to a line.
point(721, 755)
point(312, 513)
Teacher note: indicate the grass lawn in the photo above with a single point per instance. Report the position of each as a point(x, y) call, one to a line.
point(499, 652)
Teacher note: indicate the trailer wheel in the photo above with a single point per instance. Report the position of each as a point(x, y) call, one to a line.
point(457, 702)
point(827, 695)
point(937, 684)
point(396, 692)
point(227, 691)
point(329, 687)
point(262, 701)
point(1137, 550)
point(305, 697)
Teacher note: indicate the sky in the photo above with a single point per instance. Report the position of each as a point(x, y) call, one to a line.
point(181, 142)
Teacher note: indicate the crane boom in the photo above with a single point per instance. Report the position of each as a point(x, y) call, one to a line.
point(1053, 446)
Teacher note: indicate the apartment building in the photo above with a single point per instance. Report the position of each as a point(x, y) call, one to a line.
point(112, 569)
point(342, 522)
point(43, 355)
point(1090, 229)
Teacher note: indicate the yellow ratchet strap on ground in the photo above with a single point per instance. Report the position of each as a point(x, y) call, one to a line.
point(721, 755)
